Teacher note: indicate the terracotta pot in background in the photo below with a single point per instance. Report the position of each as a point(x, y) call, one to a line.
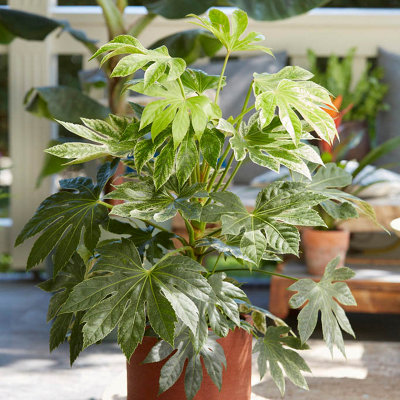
point(320, 247)
point(236, 379)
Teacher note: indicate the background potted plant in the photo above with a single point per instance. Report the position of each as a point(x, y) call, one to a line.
point(358, 103)
point(152, 283)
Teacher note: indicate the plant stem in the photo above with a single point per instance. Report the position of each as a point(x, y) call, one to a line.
point(215, 173)
point(221, 77)
point(258, 270)
point(243, 112)
point(140, 24)
point(226, 170)
point(190, 230)
point(182, 88)
point(215, 265)
point(234, 172)
point(103, 203)
point(239, 118)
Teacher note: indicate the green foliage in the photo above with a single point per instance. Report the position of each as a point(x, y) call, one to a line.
point(230, 35)
point(273, 351)
point(129, 292)
point(365, 96)
point(179, 151)
point(211, 353)
point(324, 296)
point(291, 90)
point(63, 216)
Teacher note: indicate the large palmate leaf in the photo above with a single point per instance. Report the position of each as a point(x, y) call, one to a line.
point(279, 209)
point(62, 217)
point(55, 103)
point(223, 314)
point(211, 353)
point(190, 45)
point(116, 137)
point(158, 64)
point(271, 148)
point(291, 91)
point(65, 325)
point(230, 34)
point(276, 9)
point(341, 205)
point(273, 351)
point(149, 244)
point(143, 201)
point(324, 296)
point(176, 108)
point(132, 291)
point(16, 23)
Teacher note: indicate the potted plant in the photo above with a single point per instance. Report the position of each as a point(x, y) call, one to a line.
point(358, 104)
point(183, 328)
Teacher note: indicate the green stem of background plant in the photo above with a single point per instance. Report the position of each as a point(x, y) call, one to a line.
point(258, 270)
point(221, 77)
point(140, 24)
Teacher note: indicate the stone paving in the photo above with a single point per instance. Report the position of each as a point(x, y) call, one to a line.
point(28, 371)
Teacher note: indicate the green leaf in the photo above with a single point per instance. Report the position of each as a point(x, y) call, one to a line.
point(223, 314)
point(253, 245)
point(211, 144)
point(175, 107)
point(55, 103)
point(332, 176)
point(29, 26)
point(131, 291)
point(174, 9)
point(164, 165)
point(276, 9)
point(143, 201)
point(270, 148)
point(279, 209)
point(199, 81)
point(324, 296)
point(290, 90)
point(190, 45)
point(63, 216)
point(279, 358)
point(117, 141)
point(62, 285)
point(230, 35)
point(162, 65)
point(186, 159)
point(211, 353)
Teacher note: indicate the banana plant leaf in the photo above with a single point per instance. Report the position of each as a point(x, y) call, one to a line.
point(266, 10)
point(24, 25)
point(63, 103)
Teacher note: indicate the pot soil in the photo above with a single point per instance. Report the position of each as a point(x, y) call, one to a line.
point(236, 379)
point(320, 247)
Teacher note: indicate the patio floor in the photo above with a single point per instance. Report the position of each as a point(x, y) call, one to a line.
point(28, 371)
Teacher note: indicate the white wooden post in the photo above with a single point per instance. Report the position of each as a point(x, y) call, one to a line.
point(30, 64)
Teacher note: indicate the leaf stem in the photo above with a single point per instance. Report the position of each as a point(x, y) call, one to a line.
point(215, 265)
point(221, 77)
point(190, 230)
point(243, 112)
point(258, 270)
point(215, 173)
point(103, 203)
point(226, 170)
point(182, 88)
point(234, 172)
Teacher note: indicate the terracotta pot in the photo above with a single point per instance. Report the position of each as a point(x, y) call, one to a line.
point(320, 247)
point(236, 379)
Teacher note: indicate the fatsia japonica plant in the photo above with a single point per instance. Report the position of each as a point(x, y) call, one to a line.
point(178, 151)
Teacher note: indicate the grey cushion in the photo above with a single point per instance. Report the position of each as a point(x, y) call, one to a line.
point(388, 122)
point(239, 74)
